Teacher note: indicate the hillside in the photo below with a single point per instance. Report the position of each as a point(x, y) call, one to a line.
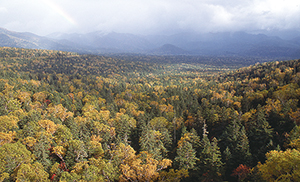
point(29, 40)
point(71, 117)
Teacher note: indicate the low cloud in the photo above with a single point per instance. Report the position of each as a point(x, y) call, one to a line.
point(148, 17)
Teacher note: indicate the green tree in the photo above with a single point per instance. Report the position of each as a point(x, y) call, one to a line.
point(12, 155)
point(82, 171)
point(76, 152)
point(210, 164)
point(163, 126)
point(32, 172)
point(41, 150)
point(187, 150)
point(235, 145)
point(124, 125)
point(186, 156)
point(260, 136)
point(151, 141)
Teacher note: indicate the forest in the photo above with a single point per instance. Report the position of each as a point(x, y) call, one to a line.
point(70, 117)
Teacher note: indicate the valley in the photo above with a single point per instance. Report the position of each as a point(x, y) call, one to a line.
point(66, 116)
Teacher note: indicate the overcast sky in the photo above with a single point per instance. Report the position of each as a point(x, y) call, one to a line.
point(43, 17)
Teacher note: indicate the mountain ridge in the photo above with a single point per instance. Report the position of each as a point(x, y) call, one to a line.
point(210, 44)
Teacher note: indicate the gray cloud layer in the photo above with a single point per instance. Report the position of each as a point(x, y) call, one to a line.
point(148, 16)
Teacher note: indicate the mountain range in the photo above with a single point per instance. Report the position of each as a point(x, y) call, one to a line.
point(208, 44)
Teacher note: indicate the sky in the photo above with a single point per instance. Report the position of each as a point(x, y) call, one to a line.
point(146, 17)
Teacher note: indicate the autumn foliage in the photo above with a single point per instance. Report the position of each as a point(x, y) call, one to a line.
point(71, 117)
point(241, 172)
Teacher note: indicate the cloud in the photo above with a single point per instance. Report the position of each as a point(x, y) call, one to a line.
point(149, 16)
point(3, 10)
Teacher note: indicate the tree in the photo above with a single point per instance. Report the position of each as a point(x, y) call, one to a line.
point(124, 125)
point(41, 148)
point(48, 125)
point(107, 133)
point(85, 172)
point(281, 166)
point(7, 126)
point(109, 169)
point(210, 165)
point(77, 152)
point(8, 123)
point(173, 175)
point(31, 172)
point(24, 97)
point(241, 172)
point(40, 96)
point(66, 176)
point(235, 145)
point(62, 135)
point(186, 150)
point(151, 141)
point(7, 137)
point(95, 147)
point(186, 156)
point(293, 139)
point(141, 167)
point(58, 111)
point(12, 155)
point(260, 135)
point(162, 125)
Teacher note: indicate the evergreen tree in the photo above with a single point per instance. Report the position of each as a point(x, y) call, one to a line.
point(260, 136)
point(235, 144)
point(186, 155)
point(41, 150)
point(210, 164)
point(151, 141)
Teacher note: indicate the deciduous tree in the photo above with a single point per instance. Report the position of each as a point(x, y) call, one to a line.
point(281, 166)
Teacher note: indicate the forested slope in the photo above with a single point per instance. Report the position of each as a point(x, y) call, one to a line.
point(70, 117)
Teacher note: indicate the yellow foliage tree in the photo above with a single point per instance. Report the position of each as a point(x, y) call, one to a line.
point(48, 125)
point(8, 123)
point(141, 167)
point(281, 166)
point(7, 137)
point(40, 96)
point(59, 111)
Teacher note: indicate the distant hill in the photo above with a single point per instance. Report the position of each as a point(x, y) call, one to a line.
point(210, 44)
point(29, 40)
point(243, 44)
point(100, 42)
point(169, 49)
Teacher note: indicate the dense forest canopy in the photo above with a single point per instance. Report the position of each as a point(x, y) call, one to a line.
point(71, 117)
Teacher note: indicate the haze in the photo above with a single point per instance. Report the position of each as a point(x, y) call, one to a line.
point(146, 17)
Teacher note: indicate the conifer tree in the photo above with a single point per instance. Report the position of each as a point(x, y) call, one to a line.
point(40, 150)
point(186, 155)
point(260, 136)
point(235, 145)
point(151, 141)
point(210, 164)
